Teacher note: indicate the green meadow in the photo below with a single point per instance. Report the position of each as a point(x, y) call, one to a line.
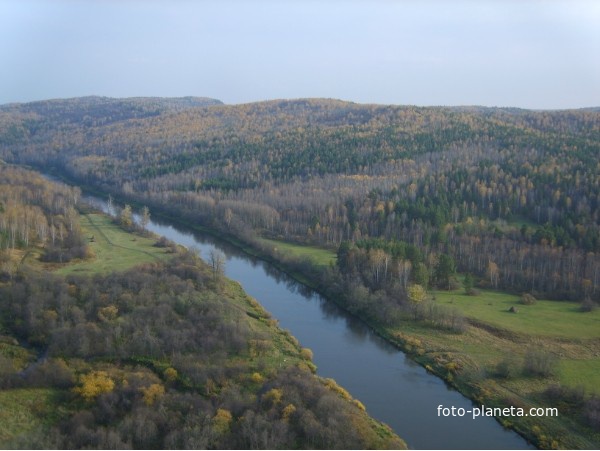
point(113, 248)
point(544, 318)
point(319, 256)
point(24, 410)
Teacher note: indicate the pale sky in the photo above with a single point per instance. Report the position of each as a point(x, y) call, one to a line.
point(523, 53)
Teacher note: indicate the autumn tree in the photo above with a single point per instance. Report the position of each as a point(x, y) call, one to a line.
point(94, 384)
point(145, 217)
point(126, 217)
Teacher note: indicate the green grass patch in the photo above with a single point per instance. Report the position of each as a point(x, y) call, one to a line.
point(515, 223)
point(584, 373)
point(320, 256)
point(23, 411)
point(544, 318)
point(114, 248)
point(18, 355)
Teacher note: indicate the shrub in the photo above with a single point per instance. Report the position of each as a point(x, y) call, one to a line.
point(306, 354)
point(453, 284)
point(539, 363)
point(51, 373)
point(163, 242)
point(574, 396)
point(257, 378)
point(506, 368)
point(528, 299)
point(170, 374)
point(587, 305)
point(591, 412)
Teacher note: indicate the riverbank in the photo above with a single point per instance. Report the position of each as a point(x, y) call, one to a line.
point(471, 361)
point(462, 360)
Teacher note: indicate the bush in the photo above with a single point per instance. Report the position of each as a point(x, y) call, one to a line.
point(163, 242)
point(51, 373)
point(573, 396)
point(506, 369)
point(591, 412)
point(587, 305)
point(528, 299)
point(539, 363)
point(453, 284)
point(473, 292)
point(306, 354)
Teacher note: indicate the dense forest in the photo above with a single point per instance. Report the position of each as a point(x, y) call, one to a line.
point(165, 355)
point(511, 196)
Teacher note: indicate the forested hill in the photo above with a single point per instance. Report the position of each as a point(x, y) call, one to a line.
point(92, 111)
point(510, 195)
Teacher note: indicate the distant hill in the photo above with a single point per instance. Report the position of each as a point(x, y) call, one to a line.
point(94, 110)
point(306, 160)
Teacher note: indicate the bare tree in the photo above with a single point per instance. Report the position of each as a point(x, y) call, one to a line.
point(217, 263)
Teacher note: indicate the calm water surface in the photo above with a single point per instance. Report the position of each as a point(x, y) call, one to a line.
point(393, 388)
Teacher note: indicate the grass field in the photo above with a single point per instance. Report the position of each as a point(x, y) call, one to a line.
point(321, 257)
point(114, 249)
point(581, 373)
point(544, 318)
point(23, 412)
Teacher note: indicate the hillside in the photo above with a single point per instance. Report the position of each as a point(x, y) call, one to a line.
point(524, 183)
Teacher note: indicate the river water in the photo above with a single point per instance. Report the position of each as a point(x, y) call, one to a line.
point(394, 389)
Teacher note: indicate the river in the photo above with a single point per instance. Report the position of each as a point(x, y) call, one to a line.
point(394, 389)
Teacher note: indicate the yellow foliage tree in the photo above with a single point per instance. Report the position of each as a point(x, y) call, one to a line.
point(171, 374)
point(257, 378)
point(108, 313)
point(152, 393)
point(416, 293)
point(306, 354)
point(274, 395)
point(94, 384)
point(332, 385)
point(222, 421)
point(288, 411)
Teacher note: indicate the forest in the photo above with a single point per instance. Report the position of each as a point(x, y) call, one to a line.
point(167, 354)
point(414, 202)
point(510, 195)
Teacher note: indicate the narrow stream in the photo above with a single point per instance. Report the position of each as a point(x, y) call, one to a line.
point(394, 389)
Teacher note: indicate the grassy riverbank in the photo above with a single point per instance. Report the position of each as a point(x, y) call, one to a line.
point(112, 248)
point(494, 338)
